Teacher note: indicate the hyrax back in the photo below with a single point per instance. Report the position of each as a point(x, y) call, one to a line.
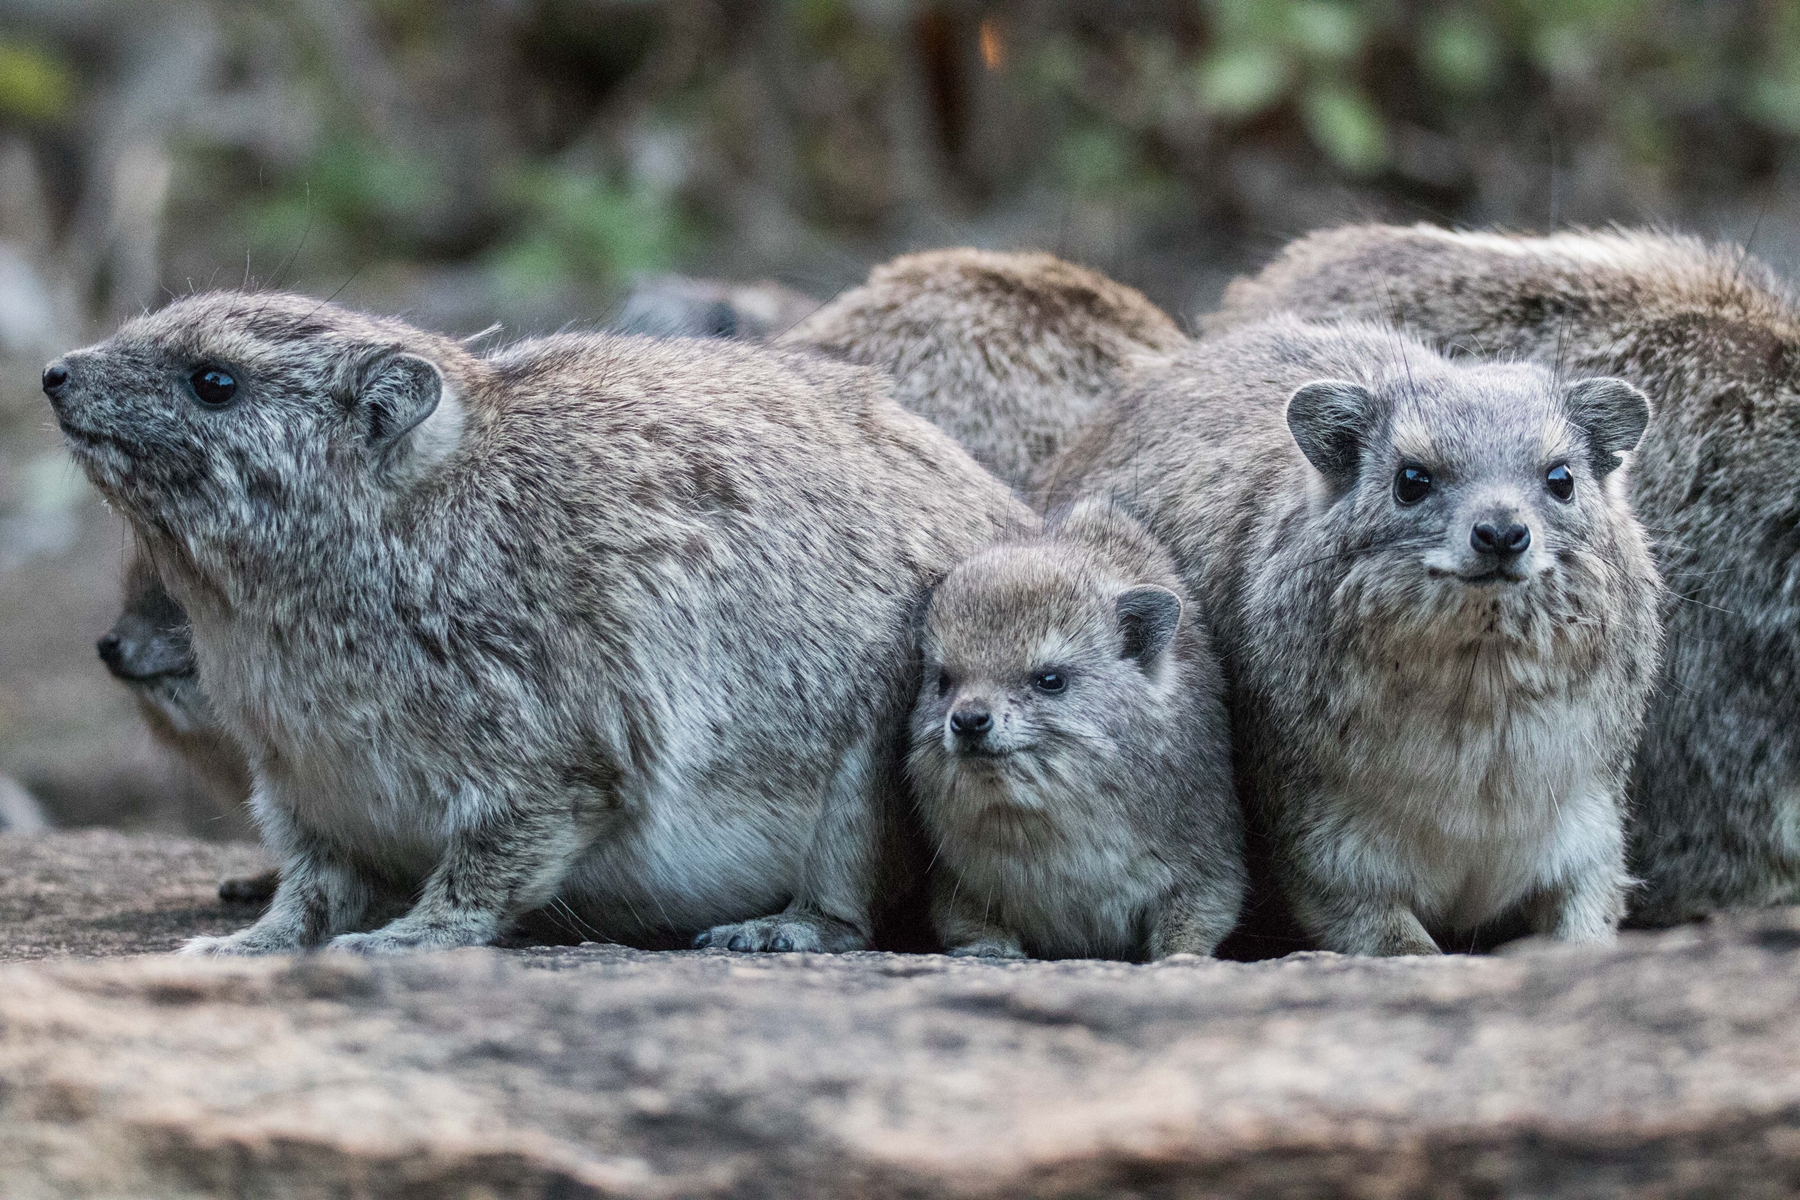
point(621, 623)
point(1010, 354)
point(1438, 612)
point(1070, 752)
point(1714, 337)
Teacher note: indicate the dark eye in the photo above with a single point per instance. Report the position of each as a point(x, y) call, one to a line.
point(213, 386)
point(1412, 484)
point(943, 683)
point(1050, 682)
point(1560, 481)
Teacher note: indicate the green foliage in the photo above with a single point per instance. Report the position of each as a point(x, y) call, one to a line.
point(579, 228)
point(34, 84)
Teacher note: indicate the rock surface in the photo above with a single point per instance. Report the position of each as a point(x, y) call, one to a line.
point(1669, 1066)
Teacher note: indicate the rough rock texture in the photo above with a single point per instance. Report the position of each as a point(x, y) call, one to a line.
point(1667, 1067)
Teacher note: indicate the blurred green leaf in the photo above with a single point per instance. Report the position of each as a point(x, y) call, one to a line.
point(1461, 53)
point(1346, 126)
point(1775, 101)
point(1094, 160)
point(33, 84)
point(1329, 31)
point(581, 229)
point(1243, 81)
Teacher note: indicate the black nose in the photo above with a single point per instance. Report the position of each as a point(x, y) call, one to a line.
point(971, 722)
point(55, 376)
point(1508, 541)
point(111, 652)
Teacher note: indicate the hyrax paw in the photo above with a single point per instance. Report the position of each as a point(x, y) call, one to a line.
point(379, 941)
point(784, 935)
point(236, 944)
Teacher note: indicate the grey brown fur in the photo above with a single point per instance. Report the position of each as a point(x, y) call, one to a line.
point(149, 650)
point(1429, 745)
point(1714, 337)
point(1011, 354)
point(619, 623)
point(1094, 819)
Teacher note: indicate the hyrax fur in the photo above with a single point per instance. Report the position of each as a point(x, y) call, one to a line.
point(148, 649)
point(1436, 611)
point(1010, 354)
point(621, 623)
point(1714, 337)
point(1071, 754)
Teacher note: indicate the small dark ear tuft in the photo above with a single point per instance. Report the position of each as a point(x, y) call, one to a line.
point(1329, 420)
point(1612, 413)
point(1148, 618)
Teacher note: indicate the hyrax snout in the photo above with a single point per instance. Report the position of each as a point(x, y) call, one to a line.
point(1070, 752)
point(1440, 611)
point(481, 624)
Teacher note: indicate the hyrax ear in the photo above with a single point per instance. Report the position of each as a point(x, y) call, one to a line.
point(1328, 420)
point(1612, 413)
point(392, 392)
point(1148, 618)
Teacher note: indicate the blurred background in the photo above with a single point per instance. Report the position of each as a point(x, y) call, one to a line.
point(466, 162)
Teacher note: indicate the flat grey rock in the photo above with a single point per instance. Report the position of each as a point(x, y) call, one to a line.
point(1669, 1066)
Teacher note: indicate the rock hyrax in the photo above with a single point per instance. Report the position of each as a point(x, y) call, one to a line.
point(1436, 611)
point(1010, 354)
point(619, 622)
point(1071, 755)
point(149, 651)
point(1714, 337)
point(679, 306)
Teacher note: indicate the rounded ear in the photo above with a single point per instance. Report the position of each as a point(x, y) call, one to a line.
point(1328, 420)
point(1148, 618)
point(392, 391)
point(1612, 413)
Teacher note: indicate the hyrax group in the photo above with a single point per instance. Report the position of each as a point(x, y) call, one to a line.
point(1441, 588)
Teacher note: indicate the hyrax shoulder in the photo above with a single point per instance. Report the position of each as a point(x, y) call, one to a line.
point(1008, 353)
point(1713, 336)
point(1070, 752)
point(1439, 609)
point(622, 623)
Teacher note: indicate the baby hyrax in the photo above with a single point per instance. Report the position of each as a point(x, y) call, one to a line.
point(619, 623)
point(148, 649)
point(1438, 611)
point(1011, 354)
point(1070, 753)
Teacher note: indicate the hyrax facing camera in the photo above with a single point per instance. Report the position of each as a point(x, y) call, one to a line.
point(1438, 611)
point(618, 623)
point(1070, 753)
point(1714, 336)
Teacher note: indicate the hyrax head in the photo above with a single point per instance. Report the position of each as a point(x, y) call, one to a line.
point(1485, 490)
point(1035, 649)
point(228, 410)
point(149, 649)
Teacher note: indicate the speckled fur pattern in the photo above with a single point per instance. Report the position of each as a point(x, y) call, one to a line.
point(1093, 822)
point(617, 623)
point(1009, 353)
point(1426, 754)
point(1714, 337)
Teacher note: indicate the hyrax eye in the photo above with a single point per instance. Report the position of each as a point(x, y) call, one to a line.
point(943, 683)
point(1560, 481)
point(213, 386)
point(1050, 682)
point(1412, 484)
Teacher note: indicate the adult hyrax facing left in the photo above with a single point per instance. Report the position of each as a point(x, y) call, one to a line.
point(619, 623)
point(1436, 610)
point(1071, 754)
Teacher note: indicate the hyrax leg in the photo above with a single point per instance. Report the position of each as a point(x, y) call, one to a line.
point(1193, 922)
point(965, 925)
point(319, 895)
point(1585, 908)
point(1376, 926)
point(833, 907)
point(492, 872)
